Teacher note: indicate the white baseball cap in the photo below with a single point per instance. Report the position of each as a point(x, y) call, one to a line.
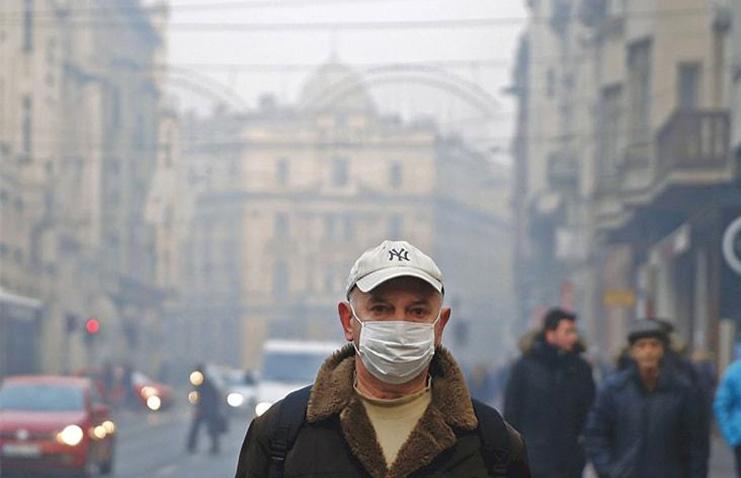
point(389, 260)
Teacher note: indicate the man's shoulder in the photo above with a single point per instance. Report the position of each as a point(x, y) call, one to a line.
point(496, 432)
point(734, 370)
point(583, 368)
point(264, 423)
point(616, 381)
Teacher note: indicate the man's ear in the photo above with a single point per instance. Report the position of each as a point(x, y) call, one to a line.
point(444, 318)
point(345, 314)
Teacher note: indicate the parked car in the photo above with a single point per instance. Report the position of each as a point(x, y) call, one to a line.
point(55, 424)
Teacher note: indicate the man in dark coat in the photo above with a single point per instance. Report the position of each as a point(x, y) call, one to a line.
point(647, 420)
point(392, 403)
point(548, 395)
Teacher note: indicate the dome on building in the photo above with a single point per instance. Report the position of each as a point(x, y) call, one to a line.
point(335, 86)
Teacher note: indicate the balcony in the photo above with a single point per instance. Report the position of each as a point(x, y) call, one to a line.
point(694, 141)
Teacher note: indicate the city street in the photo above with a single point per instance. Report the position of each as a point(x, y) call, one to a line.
point(154, 446)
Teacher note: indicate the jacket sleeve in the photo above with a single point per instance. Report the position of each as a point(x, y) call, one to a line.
point(254, 457)
point(586, 397)
point(514, 396)
point(599, 431)
point(725, 401)
point(698, 446)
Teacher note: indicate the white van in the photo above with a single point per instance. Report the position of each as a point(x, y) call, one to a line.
point(288, 365)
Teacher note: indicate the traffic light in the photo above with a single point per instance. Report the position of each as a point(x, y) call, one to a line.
point(92, 328)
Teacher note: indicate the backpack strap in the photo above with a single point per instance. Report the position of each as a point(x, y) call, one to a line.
point(290, 417)
point(496, 444)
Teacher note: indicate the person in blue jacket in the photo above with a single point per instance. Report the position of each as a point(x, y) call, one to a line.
point(727, 407)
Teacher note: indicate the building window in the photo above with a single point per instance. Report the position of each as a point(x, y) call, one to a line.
point(339, 172)
point(610, 130)
point(26, 125)
point(395, 175)
point(28, 26)
point(280, 278)
point(639, 91)
point(688, 85)
point(281, 172)
point(280, 227)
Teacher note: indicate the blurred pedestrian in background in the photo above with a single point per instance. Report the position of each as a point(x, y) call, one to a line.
point(647, 420)
point(728, 409)
point(207, 411)
point(548, 395)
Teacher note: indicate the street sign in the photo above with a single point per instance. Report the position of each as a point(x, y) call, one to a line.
point(732, 245)
point(619, 298)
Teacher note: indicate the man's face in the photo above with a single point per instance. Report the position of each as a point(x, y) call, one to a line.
point(647, 352)
point(564, 336)
point(403, 298)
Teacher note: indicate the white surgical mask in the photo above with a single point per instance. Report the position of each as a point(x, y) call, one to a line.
point(395, 351)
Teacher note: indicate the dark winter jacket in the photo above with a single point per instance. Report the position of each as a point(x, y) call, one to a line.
point(209, 400)
point(547, 400)
point(634, 433)
point(338, 439)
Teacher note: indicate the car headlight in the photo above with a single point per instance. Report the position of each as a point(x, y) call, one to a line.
point(110, 427)
point(196, 378)
point(262, 407)
point(154, 403)
point(235, 399)
point(98, 433)
point(193, 397)
point(71, 435)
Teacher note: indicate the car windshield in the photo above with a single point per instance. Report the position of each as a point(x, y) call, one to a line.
point(237, 378)
point(41, 398)
point(294, 367)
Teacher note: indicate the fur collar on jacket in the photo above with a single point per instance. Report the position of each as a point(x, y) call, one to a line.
point(450, 410)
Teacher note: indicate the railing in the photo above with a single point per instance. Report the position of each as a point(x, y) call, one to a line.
point(694, 139)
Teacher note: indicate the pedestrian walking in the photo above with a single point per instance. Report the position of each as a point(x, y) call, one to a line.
point(647, 420)
point(207, 411)
point(393, 402)
point(548, 395)
point(727, 407)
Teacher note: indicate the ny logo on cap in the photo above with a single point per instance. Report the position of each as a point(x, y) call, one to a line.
point(401, 255)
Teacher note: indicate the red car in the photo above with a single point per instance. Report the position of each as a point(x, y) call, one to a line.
point(54, 423)
point(153, 396)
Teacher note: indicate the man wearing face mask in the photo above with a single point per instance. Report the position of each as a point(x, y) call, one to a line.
point(393, 402)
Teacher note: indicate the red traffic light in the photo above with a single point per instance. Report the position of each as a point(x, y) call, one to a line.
point(92, 326)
